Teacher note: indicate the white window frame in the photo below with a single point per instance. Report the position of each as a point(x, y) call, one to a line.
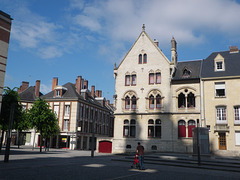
point(236, 114)
point(220, 111)
point(237, 138)
point(67, 110)
point(220, 86)
point(66, 125)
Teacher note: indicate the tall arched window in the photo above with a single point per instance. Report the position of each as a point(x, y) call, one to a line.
point(158, 101)
point(126, 128)
point(132, 128)
point(145, 58)
point(140, 59)
point(150, 128)
point(151, 102)
point(181, 101)
point(158, 129)
point(154, 129)
point(191, 125)
point(127, 102)
point(134, 102)
point(190, 100)
point(181, 129)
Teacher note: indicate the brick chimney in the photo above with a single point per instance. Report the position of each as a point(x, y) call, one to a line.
point(86, 84)
point(37, 88)
point(23, 87)
point(82, 84)
point(98, 93)
point(234, 49)
point(78, 84)
point(54, 83)
point(93, 91)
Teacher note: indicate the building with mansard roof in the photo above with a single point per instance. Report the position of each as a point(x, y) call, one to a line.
point(80, 112)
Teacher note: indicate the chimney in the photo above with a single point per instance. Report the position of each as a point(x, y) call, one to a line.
point(82, 84)
point(234, 49)
point(37, 88)
point(98, 93)
point(93, 91)
point(23, 87)
point(156, 42)
point(78, 84)
point(54, 83)
point(86, 84)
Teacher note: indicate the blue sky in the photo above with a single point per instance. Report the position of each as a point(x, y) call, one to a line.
point(68, 38)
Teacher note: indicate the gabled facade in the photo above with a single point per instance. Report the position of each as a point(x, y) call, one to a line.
point(147, 90)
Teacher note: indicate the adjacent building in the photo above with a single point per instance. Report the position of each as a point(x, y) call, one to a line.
point(5, 30)
point(80, 113)
point(220, 82)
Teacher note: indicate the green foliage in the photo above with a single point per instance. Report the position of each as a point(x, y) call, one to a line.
point(43, 119)
point(10, 96)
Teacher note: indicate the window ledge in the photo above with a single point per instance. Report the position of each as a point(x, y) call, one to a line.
point(220, 97)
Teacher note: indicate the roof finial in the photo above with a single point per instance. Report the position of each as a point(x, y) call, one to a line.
point(143, 27)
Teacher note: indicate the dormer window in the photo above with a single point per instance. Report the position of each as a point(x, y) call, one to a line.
point(58, 93)
point(186, 73)
point(219, 63)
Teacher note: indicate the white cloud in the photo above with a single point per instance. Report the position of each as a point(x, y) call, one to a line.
point(188, 20)
point(45, 88)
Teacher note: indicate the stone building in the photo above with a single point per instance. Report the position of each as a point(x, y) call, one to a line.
point(220, 82)
point(157, 101)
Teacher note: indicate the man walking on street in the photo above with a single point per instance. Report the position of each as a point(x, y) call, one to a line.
point(140, 153)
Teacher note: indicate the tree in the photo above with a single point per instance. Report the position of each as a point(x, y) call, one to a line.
point(10, 96)
point(43, 120)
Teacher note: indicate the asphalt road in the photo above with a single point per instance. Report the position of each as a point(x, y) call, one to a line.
point(65, 164)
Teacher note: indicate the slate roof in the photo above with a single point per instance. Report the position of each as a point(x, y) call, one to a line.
point(231, 61)
point(193, 66)
point(71, 93)
point(29, 94)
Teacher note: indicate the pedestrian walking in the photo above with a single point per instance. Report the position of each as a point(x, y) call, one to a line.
point(140, 152)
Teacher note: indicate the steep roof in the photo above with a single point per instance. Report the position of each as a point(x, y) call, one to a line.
point(194, 67)
point(231, 61)
point(70, 93)
point(143, 32)
point(29, 94)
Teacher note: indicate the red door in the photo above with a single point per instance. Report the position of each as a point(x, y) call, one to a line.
point(105, 147)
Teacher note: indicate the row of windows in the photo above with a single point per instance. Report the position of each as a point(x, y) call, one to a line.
point(221, 115)
point(155, 128)
point(154, 78)
point(155, 102)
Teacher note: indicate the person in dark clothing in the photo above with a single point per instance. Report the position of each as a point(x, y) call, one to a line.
point(140, 152)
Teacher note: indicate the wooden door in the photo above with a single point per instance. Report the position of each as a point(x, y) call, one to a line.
point(222, 141)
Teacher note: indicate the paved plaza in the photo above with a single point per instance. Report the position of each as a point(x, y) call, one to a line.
point(26, 163)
